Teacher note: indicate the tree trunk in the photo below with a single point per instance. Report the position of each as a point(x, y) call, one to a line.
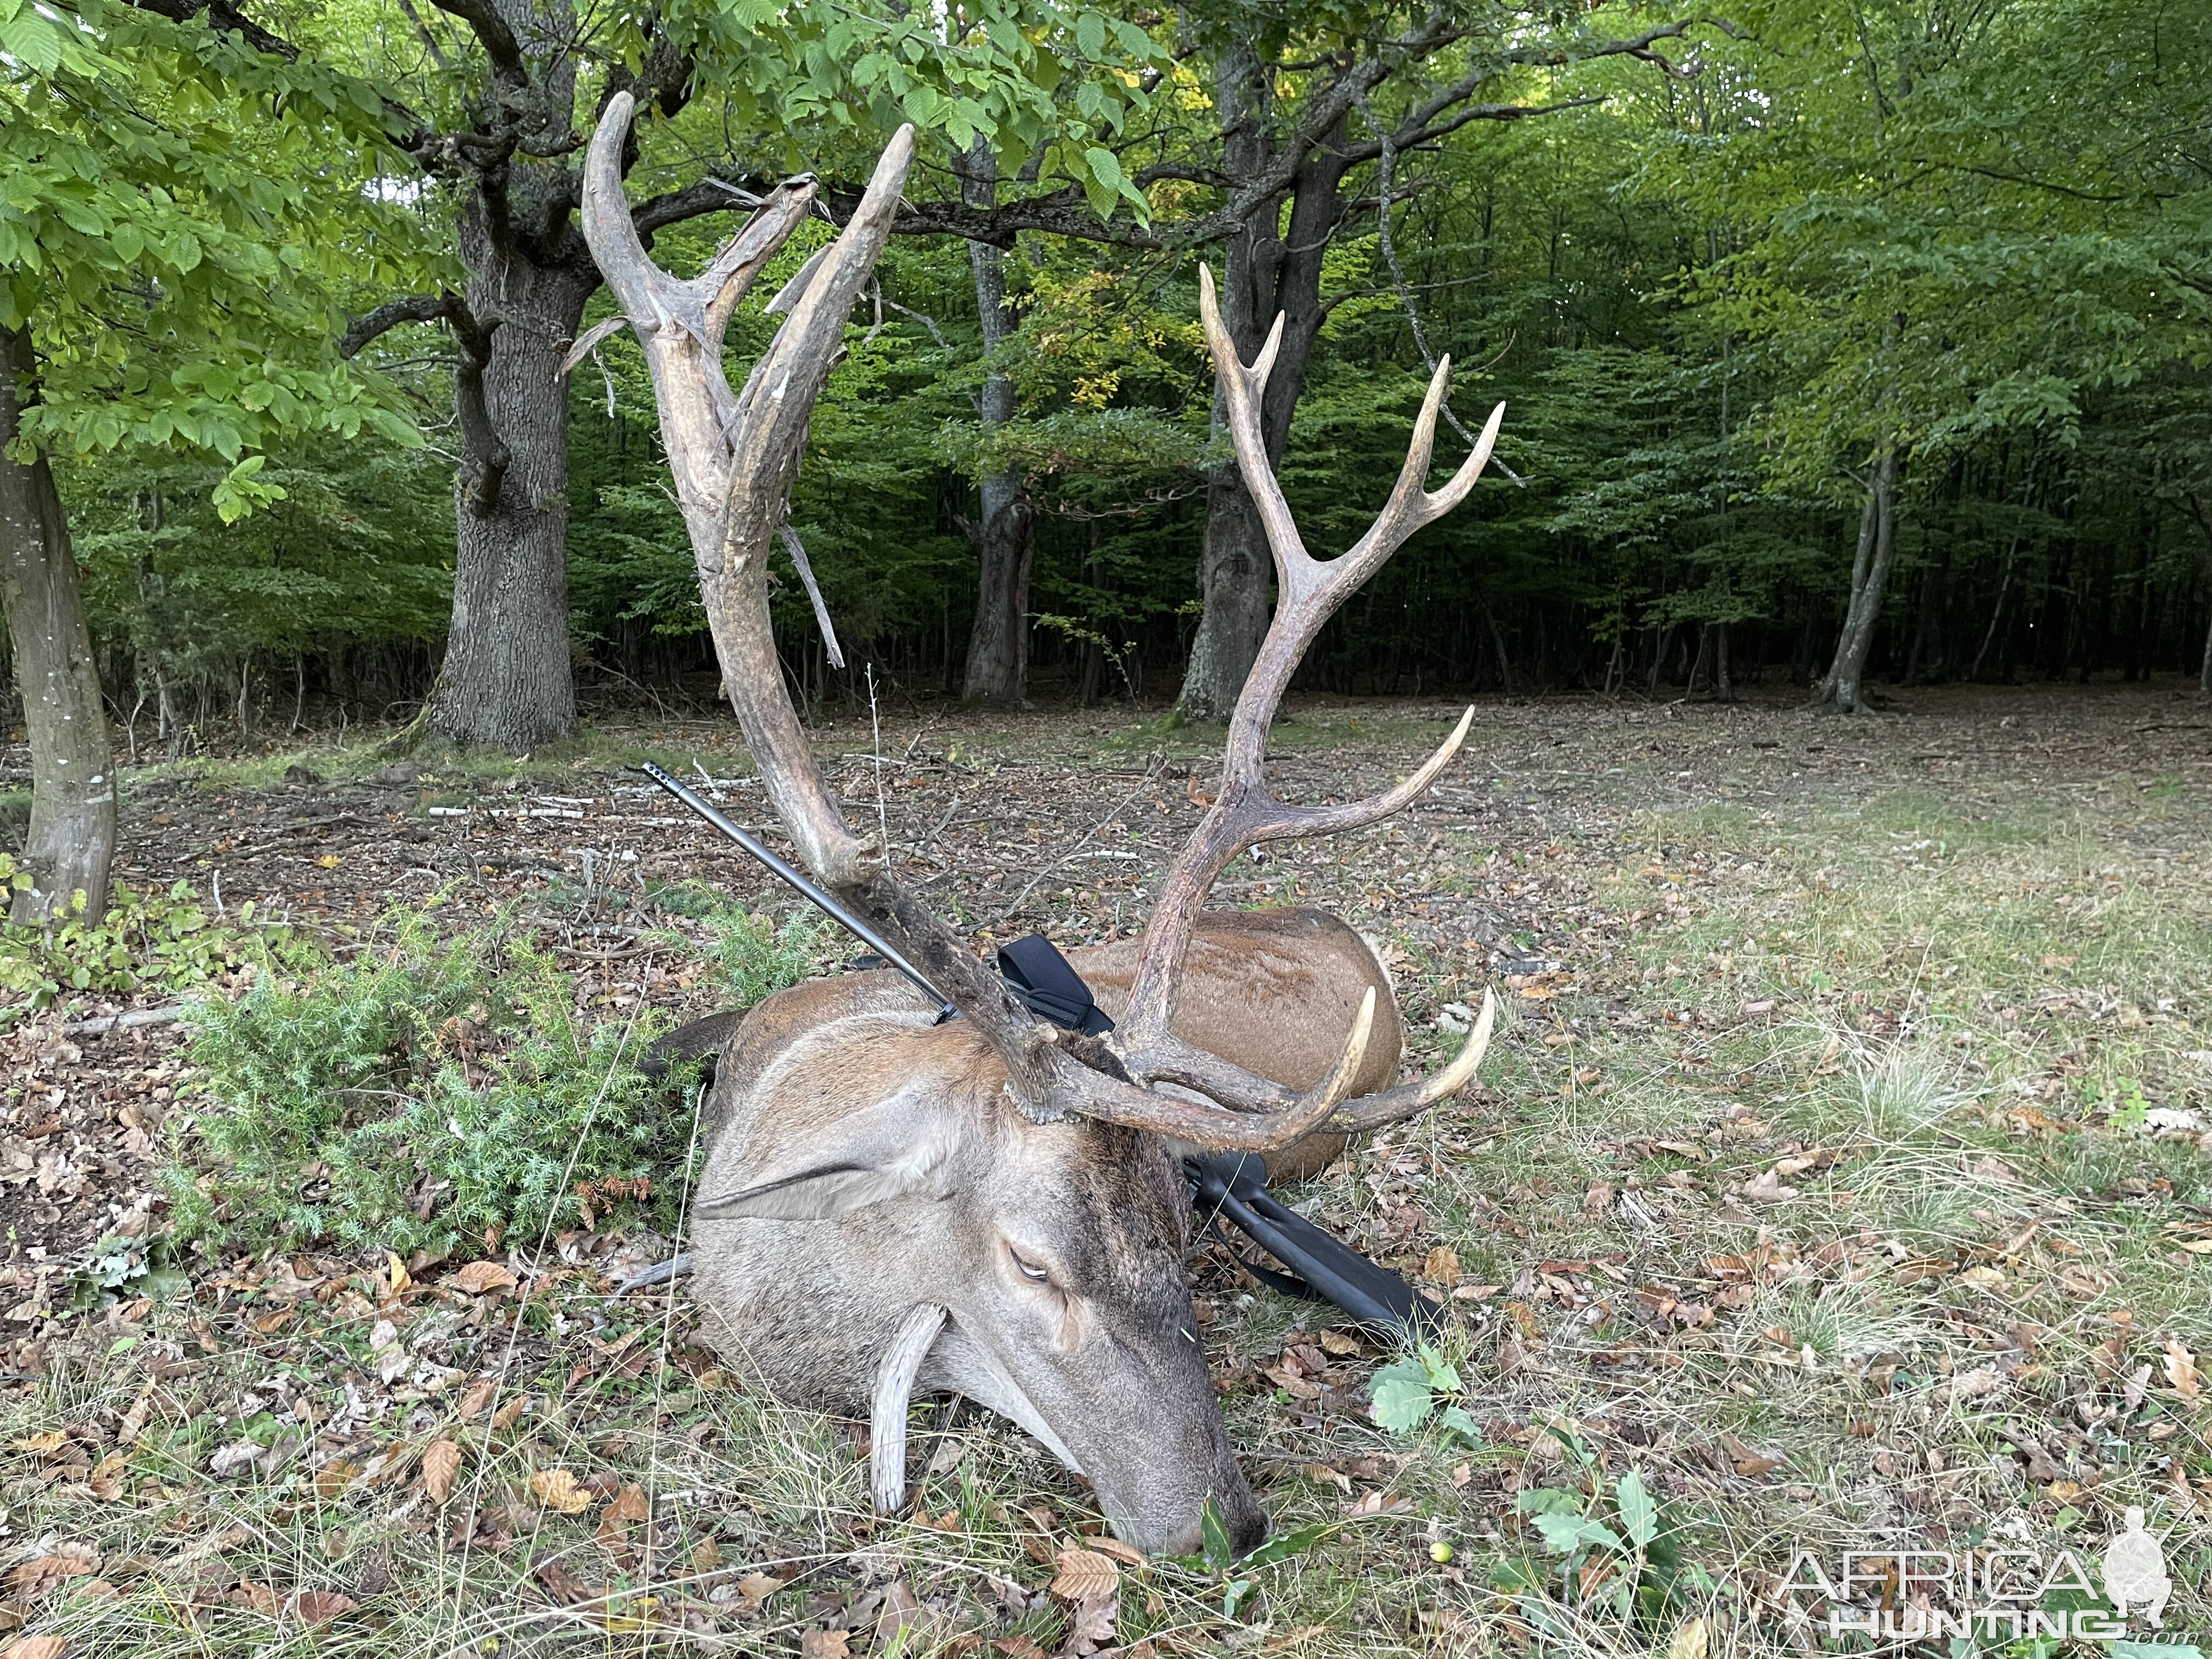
point(2204, 670)
point(1877, 547)
point(506, 682)
point(71, 841)
point(2205, 524)
point(1005, 534)
point(1266, 271)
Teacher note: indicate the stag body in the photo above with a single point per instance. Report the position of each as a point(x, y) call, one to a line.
point(990, 1206)
point(877, 1170)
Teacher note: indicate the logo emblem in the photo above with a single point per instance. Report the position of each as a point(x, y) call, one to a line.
point(2135, 1571)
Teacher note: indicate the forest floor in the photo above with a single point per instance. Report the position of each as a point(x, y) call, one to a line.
point(1842, 1169)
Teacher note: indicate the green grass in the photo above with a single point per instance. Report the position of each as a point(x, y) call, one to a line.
point(1983, 1247)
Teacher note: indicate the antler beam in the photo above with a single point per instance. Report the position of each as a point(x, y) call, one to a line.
point(1309, 591)
point(735, 457)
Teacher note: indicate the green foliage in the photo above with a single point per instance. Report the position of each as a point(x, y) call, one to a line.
point(145, 939)
point(177, 218)
point(1616, 1549)
point(426, 1094)
point(753, 955)
point(120, 1268)
point(1239, 1576)
point(1406, 1393)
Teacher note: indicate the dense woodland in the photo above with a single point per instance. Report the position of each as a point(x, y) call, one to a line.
point(1840, 343)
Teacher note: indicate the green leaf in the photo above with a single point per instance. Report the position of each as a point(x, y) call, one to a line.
point(1285, 1545)
point(1442, 1377)
point(1453, 1420)
point(32, 40)
point(1219, 1551)
point(1091, 34)
point(1548, 1500)
point(1399, 1396)
point(1640, 1516)
point(1566, 1533)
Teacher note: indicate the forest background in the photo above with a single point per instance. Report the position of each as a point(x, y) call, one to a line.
point(1838, 341)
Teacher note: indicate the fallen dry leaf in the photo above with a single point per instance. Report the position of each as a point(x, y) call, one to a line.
point(106, 1481)
point(64, 1561)
point(1766, 1187)
point(1091, 1627)
point(755, 1588)
point(478, 1396)
point(1976, 1383)
point(478, 1277)
point(37, 1647)
point(258, 1596)
point(1750, 1464)
point(1689, 1641)
point(556, 1489)
point(1443, 1265)
point(1086, 1576)
point(442, 1461)
point(2181, 1370)
point(331, 1479)
point(629, 1507)
point(566, 1587)
point(1128, 1555)
point(819, 1643)
point(320, 1606)
point(507, 1415)
point(50, 1440)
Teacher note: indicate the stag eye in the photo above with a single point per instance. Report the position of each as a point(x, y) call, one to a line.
point(1029, 1270)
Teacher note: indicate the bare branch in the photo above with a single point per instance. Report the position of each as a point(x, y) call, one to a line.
point(415, 308)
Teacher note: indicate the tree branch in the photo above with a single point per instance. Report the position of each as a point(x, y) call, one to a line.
point(693, 201)
point(223, 18)
point(493, 36)
point(415, 308)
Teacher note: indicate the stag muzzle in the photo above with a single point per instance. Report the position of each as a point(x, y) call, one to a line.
point(1142, 1427)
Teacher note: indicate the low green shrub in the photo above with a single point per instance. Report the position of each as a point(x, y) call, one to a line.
point(438, 1093)
point(427, 1095)
point(755, 958)
point(161, 939)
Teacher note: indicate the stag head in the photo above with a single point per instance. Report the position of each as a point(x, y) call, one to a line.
point(1061, 1138)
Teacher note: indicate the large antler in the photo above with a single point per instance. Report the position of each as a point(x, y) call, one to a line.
point(734, 457)
point(1244, 814)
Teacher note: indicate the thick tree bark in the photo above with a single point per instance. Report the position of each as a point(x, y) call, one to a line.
point(2204, 670)
point(1266, 271)
point(1877, 548)
point(71, 841)
point(506, 682)
point(1006, 534)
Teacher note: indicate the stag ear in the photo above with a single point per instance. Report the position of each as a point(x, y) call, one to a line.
point(898, 1148)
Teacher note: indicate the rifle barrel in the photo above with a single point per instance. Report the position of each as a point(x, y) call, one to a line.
point(792, 877)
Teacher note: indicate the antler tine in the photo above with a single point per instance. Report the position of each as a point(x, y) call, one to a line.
point(648, 294)
point(1411, 507)
point(1311, 592)
point(1412, 1099)
point(1219, 1129)
point(739, 261)
point(1244, 390)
